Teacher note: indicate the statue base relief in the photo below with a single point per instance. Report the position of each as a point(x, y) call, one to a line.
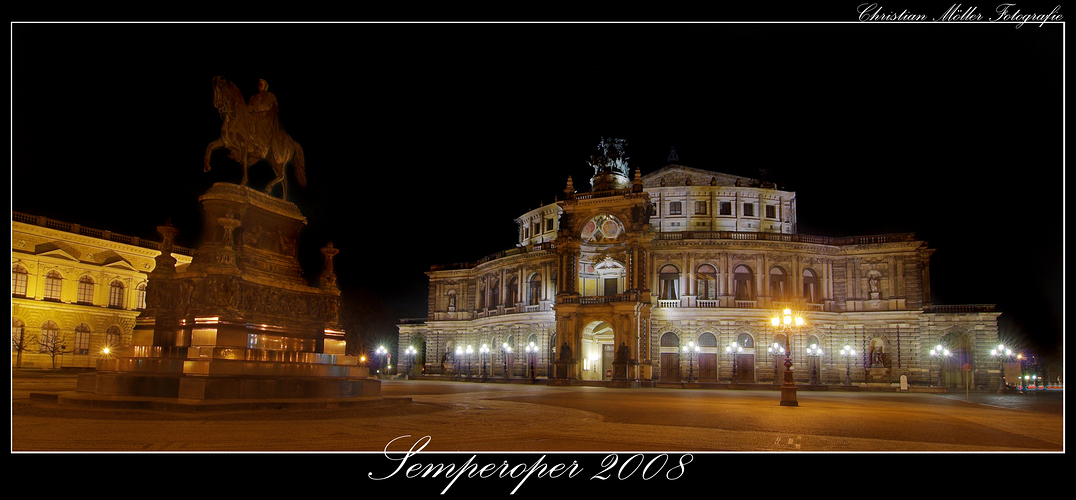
point(238, 322)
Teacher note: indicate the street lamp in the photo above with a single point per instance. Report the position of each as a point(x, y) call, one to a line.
point(776, 351)
point(848, 353)
point(482, 352)
point(532, 353)
point(381, 352)
point(1002, 354)
point(470, 351)
point(506, 350)
point(459, 358)
point(691, 349)
point(733, 350)
point(788, 323)
point(410, 359)
point(941, 353)
point(813, 351)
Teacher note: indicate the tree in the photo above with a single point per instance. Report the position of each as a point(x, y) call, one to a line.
point(54, 345)
point(21, 341)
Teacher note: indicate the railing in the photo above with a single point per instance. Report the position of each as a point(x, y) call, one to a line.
point(668, 303)
point(599, 299)
point(707, 303)
point(966, 308)
point(796, 238)
point(93, 233)
point(747, 304)
point(816, 307)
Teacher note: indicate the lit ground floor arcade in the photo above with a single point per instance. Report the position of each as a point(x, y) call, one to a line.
point(717, 346)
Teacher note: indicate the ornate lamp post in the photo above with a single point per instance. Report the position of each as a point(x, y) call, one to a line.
point(941, 353)
point(1002, 354)
point(505, 351)
point(691, 349)
point(733, 350)
point(814, 352)
point(848, 353)
point(470, 351)
point(410, 359)
point(482, 353)
point(459, 357)
point(381, 353)
point(787, 323)
point(777, 351)
point(532, 353)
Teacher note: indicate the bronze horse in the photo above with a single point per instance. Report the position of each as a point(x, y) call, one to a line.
point(250, 138)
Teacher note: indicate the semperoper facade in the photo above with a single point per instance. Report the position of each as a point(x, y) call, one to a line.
point(612, 285)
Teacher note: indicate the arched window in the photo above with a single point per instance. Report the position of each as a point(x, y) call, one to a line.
point(85, 290)
point(810, 287)
point(510, 292)
point(743, 280)
point(534, 289)
point(18, 281)
point(481, 295)
point(669, 339)
point(778, 284)
point(113, 337)
point(707, 282)
point(707, 339)
point(669, 282)
point(744, 340)
point(53, 285)
point(50, 335)
point(82, 339)
point(140, 291)
point(115, 295)
point(495, 293)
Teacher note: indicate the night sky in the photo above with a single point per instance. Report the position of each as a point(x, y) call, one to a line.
point(424, 141)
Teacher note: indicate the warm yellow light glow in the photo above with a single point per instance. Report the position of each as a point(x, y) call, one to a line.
point(775, 321)
point(788, 312)
point(105, 350)
point(788, 320)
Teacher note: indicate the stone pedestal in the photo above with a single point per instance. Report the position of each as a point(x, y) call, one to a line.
point(878, 375)
point(239, 321)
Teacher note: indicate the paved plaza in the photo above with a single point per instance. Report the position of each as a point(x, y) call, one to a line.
point(485, 417)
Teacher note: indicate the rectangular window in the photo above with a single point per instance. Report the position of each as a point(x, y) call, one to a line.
point(18, 284)
point(771, 212)
point(674, 208)
point(85, 292)
point(141, 296)
point(726, 208)
point(700, 208)
point(115, 296)
point(53, 285)
point(549, 224)
point(536, 228)
point(748, 210)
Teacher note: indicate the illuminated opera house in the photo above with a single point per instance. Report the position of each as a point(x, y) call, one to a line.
point(675, 276)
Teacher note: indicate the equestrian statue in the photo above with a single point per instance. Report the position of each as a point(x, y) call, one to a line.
point(251, 132)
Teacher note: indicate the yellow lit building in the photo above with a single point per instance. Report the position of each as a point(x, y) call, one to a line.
point(75, 291)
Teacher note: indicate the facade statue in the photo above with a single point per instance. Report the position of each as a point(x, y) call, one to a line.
point(251, 133)
point(612, 157)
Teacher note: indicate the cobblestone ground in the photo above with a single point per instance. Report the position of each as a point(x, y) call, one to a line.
point(478, 417)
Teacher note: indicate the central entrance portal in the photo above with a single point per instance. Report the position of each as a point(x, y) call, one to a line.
point(597, 351)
